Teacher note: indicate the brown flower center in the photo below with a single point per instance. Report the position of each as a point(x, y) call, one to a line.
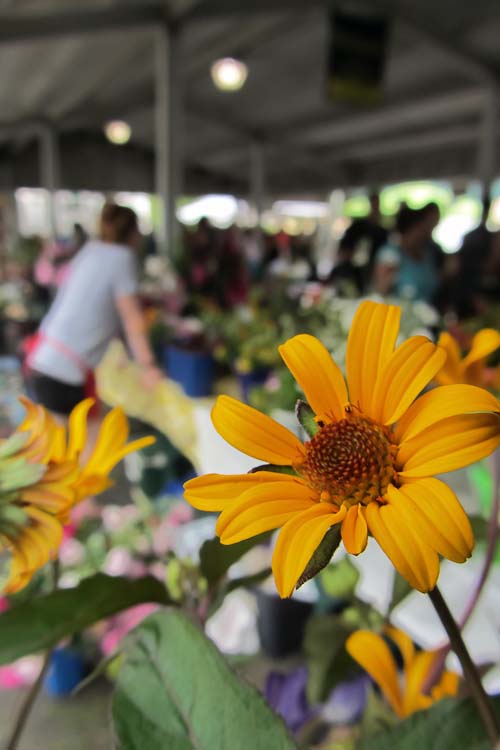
point(351, 461)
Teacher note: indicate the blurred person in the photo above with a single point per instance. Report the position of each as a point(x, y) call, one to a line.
point(79, 238)
point(253, 251)
point(431, 216)
point(368, 231)
point(473, 257)
point(345, 276)
point(418, 274)
point(385, 271)
point(203, 251)
point(232, 274)
point(95, 304)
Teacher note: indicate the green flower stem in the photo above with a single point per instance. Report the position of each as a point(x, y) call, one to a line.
point(26, 707)
point(471, 674)
point(491, 546)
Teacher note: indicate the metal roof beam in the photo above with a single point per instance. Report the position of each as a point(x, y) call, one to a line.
point(15, 28)
point(393, 117)
point(467, 59)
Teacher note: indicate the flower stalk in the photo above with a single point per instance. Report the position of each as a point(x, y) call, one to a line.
point(491, 545)
point(29, 701)
point(471, 674)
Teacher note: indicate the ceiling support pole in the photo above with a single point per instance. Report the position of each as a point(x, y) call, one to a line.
point(168, 134)
point(50, 174)
point(487, 147)
point(257, 176)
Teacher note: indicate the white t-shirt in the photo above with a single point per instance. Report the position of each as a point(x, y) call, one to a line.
point(84, 316)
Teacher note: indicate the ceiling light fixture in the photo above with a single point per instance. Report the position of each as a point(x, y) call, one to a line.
point(229, 74)
point(118, 132)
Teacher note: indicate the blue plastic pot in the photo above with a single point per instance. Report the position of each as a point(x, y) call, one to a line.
point(194, 370)
point(249, 380)
point(66, 671)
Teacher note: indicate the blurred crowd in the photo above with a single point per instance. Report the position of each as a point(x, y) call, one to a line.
point(373, 256)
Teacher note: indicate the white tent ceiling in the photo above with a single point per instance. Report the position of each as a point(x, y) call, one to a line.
point(76, 64)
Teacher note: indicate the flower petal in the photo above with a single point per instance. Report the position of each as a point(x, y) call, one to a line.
point(484, 343)
point(411, 367)
point(448, 445)
point(415, 699)
point(373, 654)
point(253, 433)
point(262, 508)
point(441, 403)
point(452, 371)
point(313, 368)
point(403, 642)
point(77, 428)
point(298, 540)
point(414, 559)
point(370, 344)
point(432, 509)
point(213, 492)
point(354, 530)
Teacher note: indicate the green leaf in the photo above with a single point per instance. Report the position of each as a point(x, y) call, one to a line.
point(217, 558)
point(339, 579)
point(481, 479)
point(274, 468)
point(322, 555)
point(448, 724)
point(41, 623)
point(176, 691)
point(306, 417)
point(327, 660)
point(400, 589)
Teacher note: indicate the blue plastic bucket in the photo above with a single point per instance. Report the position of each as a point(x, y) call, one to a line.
point(194, 370)
point(66, 671)
point(249, 380)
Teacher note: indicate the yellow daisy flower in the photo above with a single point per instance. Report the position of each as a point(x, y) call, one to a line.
point(369, 466)
point(405, 697)
point(471, 368)
point(47, 478)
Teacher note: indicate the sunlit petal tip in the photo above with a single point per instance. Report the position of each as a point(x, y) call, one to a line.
point(254, 433)
point(354, 530)
point(315, 371)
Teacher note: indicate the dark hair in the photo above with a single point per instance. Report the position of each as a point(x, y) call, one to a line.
point(431, 207)
point(117, 223)
point(407, 218)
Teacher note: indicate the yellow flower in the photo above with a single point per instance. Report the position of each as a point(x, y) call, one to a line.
point(374, 655)
point(370, 465)
point(471, 368)
point(50, 478)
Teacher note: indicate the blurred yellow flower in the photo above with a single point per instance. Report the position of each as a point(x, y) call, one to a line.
point(404, 696)
point(471, 368)
point(43, 476)
point(369, 467)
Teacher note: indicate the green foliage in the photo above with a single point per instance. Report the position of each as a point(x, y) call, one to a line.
point(447, 725)
point(327, 660)
point(305, 415)
point(340, 579)
point(176, 691)
point(217, 558)
point(42, 622)
point(322, 555)
point(276, 468)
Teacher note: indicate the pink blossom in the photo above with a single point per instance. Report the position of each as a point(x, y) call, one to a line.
point(71, 552)
point(117, 517)
point(123, 624)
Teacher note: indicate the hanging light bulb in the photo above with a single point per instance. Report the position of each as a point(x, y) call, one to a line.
point(229, 74)
point(118, 132)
